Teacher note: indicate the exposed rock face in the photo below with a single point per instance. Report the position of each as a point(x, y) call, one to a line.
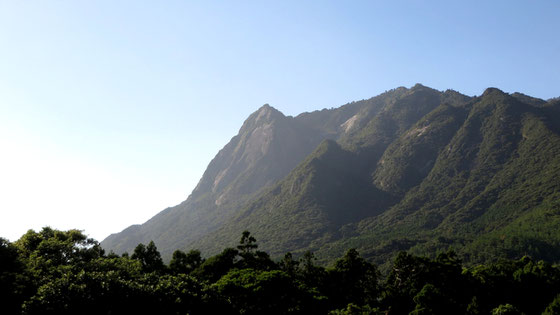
point(268, 146)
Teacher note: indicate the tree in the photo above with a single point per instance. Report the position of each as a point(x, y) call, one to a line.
point(11, 282)
point(185, 263)
point(353, 280)
point(310, 273)
point(430, 300)
point(149, 257)
point(50, 253)
point(409, 275)
point(250, 291)
point(59, 247)
point(250, 257)
point(111, 293)
point(247, 244)
point(216, 266)
point(289, 265)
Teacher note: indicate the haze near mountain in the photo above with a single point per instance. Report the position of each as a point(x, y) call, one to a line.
point(411, 169)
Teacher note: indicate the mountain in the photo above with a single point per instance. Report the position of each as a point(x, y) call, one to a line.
point(411, 169)
point(268, 146)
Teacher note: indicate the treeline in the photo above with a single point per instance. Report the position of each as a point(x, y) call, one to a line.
point(64, 272)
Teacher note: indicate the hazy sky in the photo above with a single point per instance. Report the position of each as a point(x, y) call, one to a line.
point(111, 110)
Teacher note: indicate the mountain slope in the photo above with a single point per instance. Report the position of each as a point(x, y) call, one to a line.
point(333, 186)
point(266, 148)
point(499, 168)
point(411, 169)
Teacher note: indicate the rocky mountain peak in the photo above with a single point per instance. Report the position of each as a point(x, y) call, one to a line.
point(492, 91)
point(266, 115)
point(418, 86)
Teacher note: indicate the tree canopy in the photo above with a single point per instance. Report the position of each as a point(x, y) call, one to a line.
point(64, 272)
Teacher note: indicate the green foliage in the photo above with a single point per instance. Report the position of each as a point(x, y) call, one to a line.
point(217, 266)
point(56, 248)
point(247, 244)
point(430, 300)
point(252, 291)
point(185, 263)
point(149, 257)
point(311, 274)
point(104, 293)
point(289, 265)
point(506, 309)
point(12, 277)
point(427, 285)
point(250, 257)
point(353, 309)
point(353, 279)
point(554, 307)
point(90, 282)
point(528, 284)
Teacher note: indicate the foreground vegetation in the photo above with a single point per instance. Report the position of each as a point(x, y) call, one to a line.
point(64, 272)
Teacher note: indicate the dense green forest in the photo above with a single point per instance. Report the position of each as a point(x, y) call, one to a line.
point(64, 272)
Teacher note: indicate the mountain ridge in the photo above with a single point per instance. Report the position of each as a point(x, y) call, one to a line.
point(410, 169)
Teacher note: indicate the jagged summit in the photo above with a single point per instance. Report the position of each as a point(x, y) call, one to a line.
point(419, 86)
point(268, 112)
point(265, 115)
point(492, 91)
point(267, 107)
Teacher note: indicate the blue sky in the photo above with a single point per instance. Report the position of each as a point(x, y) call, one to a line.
point(111, 110)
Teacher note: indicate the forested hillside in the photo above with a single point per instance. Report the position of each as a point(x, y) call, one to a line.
point(63, 272)
point(411, 169)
